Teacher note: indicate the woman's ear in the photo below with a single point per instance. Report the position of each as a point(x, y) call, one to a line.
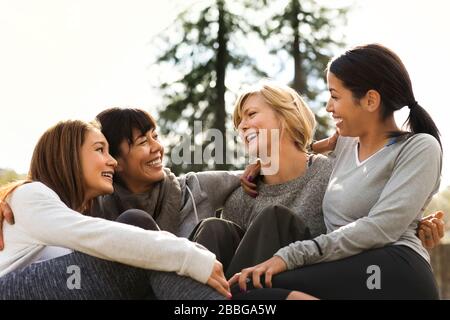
point(372, 100)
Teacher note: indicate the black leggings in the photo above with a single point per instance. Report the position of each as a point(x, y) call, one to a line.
point(275, 227)
point(403, 274)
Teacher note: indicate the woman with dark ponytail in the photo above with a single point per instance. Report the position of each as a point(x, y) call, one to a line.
point(382, 179)
point(374, 67)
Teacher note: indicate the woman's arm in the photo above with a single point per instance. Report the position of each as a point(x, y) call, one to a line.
point(414, 178)
point(216, 185)
point(47, 221)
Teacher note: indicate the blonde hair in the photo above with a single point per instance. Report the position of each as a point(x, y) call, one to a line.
point(295, 115)
point(56, 162)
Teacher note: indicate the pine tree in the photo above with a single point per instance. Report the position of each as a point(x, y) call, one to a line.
point(306, 34)
point(204, 46)
point(206, 49)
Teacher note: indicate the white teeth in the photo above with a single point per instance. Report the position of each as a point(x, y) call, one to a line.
point(251, 136)
point(154, 162)
point(107, 174)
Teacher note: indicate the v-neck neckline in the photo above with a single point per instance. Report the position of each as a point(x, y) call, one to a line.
point(359, 163)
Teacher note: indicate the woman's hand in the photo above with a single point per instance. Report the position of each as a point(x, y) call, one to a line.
point(325, 145)
point(249, 176)
point(218, 281)
point(5, 214)
point(332, 141)
point(431, 229)
point(268, 268)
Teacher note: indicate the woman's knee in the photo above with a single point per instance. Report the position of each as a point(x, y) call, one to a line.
point(214, 225)
point(275, 211)
point(284, 221)
point(138, 218)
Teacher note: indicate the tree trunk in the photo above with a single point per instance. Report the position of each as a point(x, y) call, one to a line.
point(299, 78)
point(221, 65)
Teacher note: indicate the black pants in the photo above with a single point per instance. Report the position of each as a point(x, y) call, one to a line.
point(390, 273)
point(275, 227)
point(139, 219)
point(403, 274)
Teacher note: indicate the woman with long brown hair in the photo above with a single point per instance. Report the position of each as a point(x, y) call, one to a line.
point(71, 166)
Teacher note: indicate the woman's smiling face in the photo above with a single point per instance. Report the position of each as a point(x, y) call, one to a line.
point(97, 165)
point(140, 162)
point(257, 125)
point(349, 116)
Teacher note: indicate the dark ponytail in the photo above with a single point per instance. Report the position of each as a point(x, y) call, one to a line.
point(375, 67)
point(419, 121)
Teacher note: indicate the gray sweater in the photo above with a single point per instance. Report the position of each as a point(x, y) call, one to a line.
point(303, 195)
point(374, 203)
point(187, 199)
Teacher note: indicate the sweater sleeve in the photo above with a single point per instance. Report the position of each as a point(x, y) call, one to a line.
point(48, 221)
point(414, 179)
point(218, 185)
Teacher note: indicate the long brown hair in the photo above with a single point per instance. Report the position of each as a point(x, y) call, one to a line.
point(56, 162)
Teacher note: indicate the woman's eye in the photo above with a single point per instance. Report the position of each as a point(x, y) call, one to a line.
point(251, 114)
point(143, 142)
point(156, 137)
point(100, 149)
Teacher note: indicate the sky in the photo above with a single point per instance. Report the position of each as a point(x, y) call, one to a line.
point(63, 59)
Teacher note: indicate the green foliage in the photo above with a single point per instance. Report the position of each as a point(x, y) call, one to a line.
point(206, 45)
point(7, 176)
point(307, 33)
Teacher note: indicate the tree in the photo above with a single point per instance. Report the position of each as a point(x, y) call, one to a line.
point(204, 46)
point(207, 47)
point(305, 33)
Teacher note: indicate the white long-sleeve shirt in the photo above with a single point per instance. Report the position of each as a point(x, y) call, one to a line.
point(42, 220)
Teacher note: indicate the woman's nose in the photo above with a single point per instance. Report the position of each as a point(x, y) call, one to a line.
point(329, 106)
point(111, 161)
point(242, 125)
point(155, 146)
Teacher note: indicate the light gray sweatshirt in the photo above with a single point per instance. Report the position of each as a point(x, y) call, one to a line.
point(374, 203)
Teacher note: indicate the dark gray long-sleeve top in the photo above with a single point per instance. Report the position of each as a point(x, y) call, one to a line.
point(202, 194)
point(374, 203)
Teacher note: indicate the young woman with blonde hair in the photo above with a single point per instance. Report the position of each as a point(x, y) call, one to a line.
point(288, 206)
